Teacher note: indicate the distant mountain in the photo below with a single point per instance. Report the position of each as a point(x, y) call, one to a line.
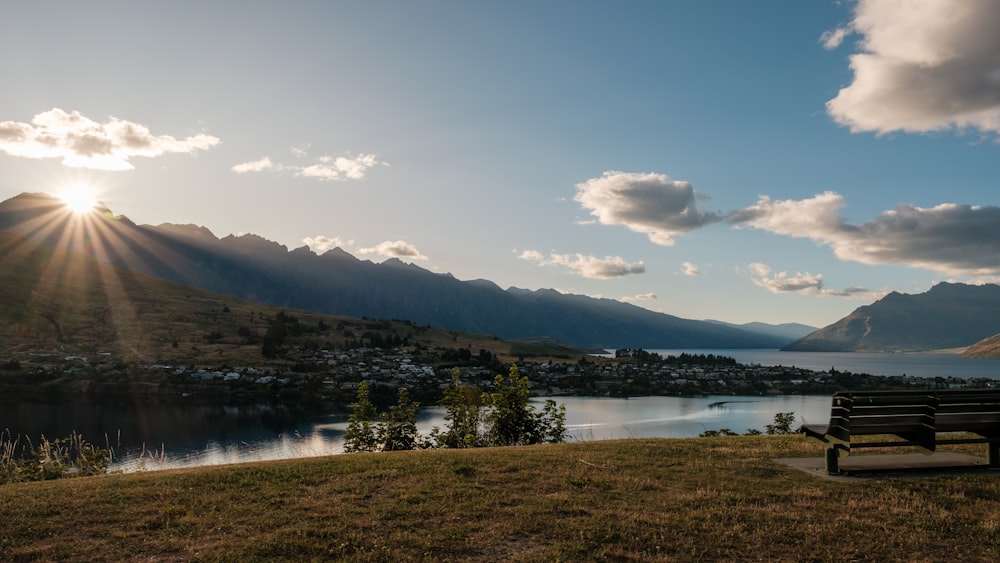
point(256, 269)
point(949, 315)
point(787, 331)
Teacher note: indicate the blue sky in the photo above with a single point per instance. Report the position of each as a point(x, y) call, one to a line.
point(779, 161)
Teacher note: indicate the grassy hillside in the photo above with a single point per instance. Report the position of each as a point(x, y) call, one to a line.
point(988, 348)
point(55, 304)
point(626, 500)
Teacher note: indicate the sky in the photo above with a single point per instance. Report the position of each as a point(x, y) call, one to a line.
point(778, 161)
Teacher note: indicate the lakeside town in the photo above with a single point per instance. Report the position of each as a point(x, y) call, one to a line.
point(334, 375)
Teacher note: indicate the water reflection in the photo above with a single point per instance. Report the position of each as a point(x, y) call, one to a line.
point(160, 436)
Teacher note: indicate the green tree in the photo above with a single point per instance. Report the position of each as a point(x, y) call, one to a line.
point(464, 414)
point(512, 421)
point(398, 427)
point(361, 428)
point(782, 423)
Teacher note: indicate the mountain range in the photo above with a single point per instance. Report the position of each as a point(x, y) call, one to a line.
point(948, 316)
point(335, 282)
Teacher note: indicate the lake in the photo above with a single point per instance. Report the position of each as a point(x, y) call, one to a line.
point(157, 436)
point(173, 436)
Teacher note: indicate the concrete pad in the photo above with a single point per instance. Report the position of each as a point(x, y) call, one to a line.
point(889, 465)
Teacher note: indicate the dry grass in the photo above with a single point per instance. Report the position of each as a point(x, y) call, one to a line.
point(625, 500)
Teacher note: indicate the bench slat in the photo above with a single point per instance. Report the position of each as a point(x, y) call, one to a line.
point(914, 416)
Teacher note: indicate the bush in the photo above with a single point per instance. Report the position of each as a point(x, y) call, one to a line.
point(782, 424)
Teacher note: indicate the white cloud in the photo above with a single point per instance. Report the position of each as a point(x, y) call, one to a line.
point(783, 282)
point(802, 283)
point(340, 167)
point(255, 166)
point(84, 143)
point(924, 66)
point(833, 38)
point(951, 239)
point(395, 249)
point(326, 167)
point(322, 243)
point(690, 269)
point(651, 204)
point(640, 297)
point(587, 266)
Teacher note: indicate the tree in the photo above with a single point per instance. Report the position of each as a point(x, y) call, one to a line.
point(782, 423)
point(512, 421)
point(360, 435)
point(464, 414)
point(398, 427)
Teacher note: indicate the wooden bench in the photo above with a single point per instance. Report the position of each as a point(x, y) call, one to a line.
point(913, 418)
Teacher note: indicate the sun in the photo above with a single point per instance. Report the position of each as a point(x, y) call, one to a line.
point(79, 198)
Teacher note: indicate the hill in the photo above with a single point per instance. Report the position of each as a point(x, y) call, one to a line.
point(252, 268)
point(709, 499)
point(949, 315)
point(986, 348)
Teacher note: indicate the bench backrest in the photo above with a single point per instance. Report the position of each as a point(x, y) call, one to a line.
point(969, 411)
point(915, 415)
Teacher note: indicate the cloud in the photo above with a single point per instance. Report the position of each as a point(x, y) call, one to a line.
point(923, 66)
point(690, 269)
point(395, 249)
point(782, 282)
point(833, 38)
point(340, 167)
point(255, 166)
point(83, 143)
point(326, 167)
point(587, 266)
point(802, 283)
point(641, 297)
point(322, 243)
point(651, 204)
point(950, 239)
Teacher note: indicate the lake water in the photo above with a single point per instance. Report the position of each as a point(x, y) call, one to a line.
point(174, 436)
point(156, 436)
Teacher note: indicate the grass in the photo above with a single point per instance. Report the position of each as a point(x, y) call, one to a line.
point(623, 500)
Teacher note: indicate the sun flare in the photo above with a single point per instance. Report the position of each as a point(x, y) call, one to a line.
point(79, 198)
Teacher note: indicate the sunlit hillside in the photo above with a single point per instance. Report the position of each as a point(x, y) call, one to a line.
point(55, 304)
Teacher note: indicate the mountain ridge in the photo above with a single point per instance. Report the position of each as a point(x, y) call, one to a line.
point(254, 268)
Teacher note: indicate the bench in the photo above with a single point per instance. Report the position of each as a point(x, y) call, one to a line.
point(912, 418)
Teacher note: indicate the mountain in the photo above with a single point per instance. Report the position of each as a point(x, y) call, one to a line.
point(59, 307)
point(986, 348)
point(253, 268)
point(787, 331)
point(949, 315)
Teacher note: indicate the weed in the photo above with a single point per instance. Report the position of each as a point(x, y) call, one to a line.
point(50, 459)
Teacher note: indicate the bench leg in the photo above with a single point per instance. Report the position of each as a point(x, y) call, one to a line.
point(832, 460)
point(993, 455)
